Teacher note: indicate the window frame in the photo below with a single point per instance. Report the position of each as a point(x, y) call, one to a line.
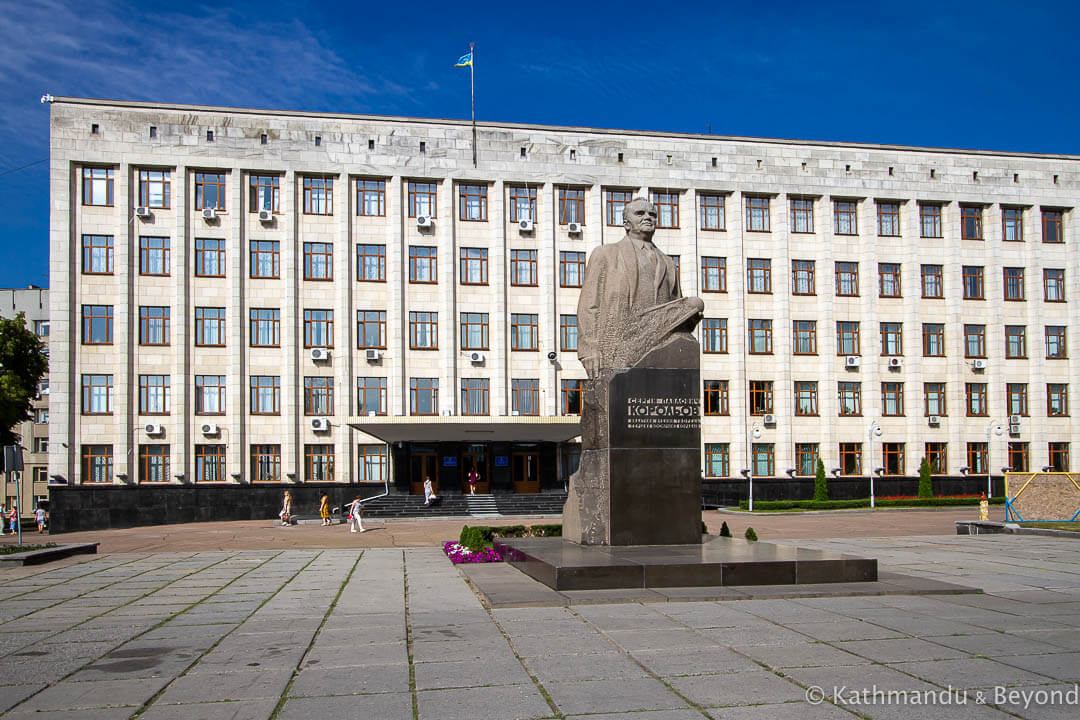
point(758, 211)
point(318, 395)
point(370, 192)
point(892, 271)
point(848, 334)
point(210, 261)
point(801, 211)
point(523, 260)
point(759, 336)
point(370, 456)
point(847, 278)
point(472, 202)
point(805, 398)
point(90, 320)
point(571, 205)
point(473, 265)
point(1016, 399)
point(525, 388)
point(976, 274)
point(1056, 335)
point(935, 393)
point(423, 324)
point(519, 195)
point(805, 270)
point(717, 204)
point(466, 323)
point(571, 396)
point(615, 202)
point(204, 390)
point(846, 217)
point(263, 387)
point(312, 322)
point(313, 251)
point(150, 324)
point(571, 268)
point(154, 463)
point(147, 383)
point(369, 385)
point(929, 275)
point(1012, 224)
point(420, 195)
point(103, 383)
point(1053, 225)
point(971, 222)
point(264, 327)
point(423, 265)
point(716, 398)
point(153, 247)
point(265, 462)
point(719, 333)
point(892, 339)
point(363, 254)
point(937, 457)
point(849, 398)
point(319, 462)
point(1013, 284)
point(893, 214)
point(930, 217)
point(977, 333)
point(479, 390)
point(761, 267)
point(1054, 277)
point(90, 249)
point(713, 274)
point(147, 181)
point(1057, 400)
point(1057, 453)
point(761, 397)
point(892, 398)
point(568, 333)
point(717, 457)
point(666, 200)
point(1015, 342)
point(96, 464)
point(204, 180)
point(318, 195)
point(94, 176)
point(261, 188)
point(529, 324)
point(850, 451)
point(260, 251)
point(976, 400)
point(210, 463)
point(363, 320)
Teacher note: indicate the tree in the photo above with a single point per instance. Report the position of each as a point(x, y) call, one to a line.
point(22, 363)
point(926, 486)
point(821, 488)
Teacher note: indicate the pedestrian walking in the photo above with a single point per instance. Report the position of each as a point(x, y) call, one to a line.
point(13, 519)
point(356, 515)
point(324, 509)
point(286, 508)
point(39, 517)
point(429, 493)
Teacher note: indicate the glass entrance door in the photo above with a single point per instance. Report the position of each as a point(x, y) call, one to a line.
point(422, 465)
point(475, 458)
point(526, 472)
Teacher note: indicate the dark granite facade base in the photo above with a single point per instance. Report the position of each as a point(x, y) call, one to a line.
point(564, 565)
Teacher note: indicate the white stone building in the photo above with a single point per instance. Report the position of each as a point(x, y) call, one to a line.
point(927, 292)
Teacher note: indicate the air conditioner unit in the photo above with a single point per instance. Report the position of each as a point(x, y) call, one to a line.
point(934, 420)
point(372, 355)
point(573, 228)
point(45, 391)
point(371, 413)
point(1014, 419)
point(154, 429)
point(514, 413)
point(896, 362)
point(851, 361)
point(209, 213)
point(320, 424)
point(1014, 428)
point(476, 357)
point(265, 216)
point(769, 419)
point(423, 221)
point(979, 364)
point(320, 354)
point(209, 429)
point(142, 211)
point(525, 225)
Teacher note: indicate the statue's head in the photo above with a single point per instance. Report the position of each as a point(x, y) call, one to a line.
point(639, 217)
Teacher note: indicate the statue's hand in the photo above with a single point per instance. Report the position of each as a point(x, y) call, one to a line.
point(591, 365)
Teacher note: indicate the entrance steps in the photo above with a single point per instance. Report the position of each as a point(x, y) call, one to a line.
point(458, 505)
point(482, 506)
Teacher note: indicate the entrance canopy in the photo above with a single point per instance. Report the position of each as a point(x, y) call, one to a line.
point(438, 428)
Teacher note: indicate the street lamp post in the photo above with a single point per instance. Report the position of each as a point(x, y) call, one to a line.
point(755, 433)
point(998, 430)
point(875, 430)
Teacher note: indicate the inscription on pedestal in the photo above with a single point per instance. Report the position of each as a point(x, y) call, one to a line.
point(662, 413)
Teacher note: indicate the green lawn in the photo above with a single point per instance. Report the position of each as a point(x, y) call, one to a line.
point(12, 549)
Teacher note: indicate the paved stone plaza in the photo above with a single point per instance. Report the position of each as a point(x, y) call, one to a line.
point(388, 633)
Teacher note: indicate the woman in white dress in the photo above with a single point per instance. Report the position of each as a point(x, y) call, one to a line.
point(356, 512)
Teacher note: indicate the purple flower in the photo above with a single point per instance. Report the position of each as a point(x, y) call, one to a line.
point(459, 554)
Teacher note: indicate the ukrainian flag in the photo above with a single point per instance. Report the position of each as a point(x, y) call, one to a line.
point(464, 61)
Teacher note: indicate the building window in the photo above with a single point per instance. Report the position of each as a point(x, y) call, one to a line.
point(209, 463)
point(1057, 399)
point(1056, 345)
point(209, 257)
point(371, 463)
point(1059, 456)
point(851, 458)
point(209, 327)
point(97, 254)
point(572, 206)
point(1052, 226)
point(933, 335)
point(847, 338)
point(154, 188)
point(1016, 401)
point(975, 394)
point(888, 219)
point(97, 324)
point(474, 266)
point(318, 261)
point(806, 459)
point(892, 339)
point(889, 280)
point(1054, 285)
point(802, 277)
point(937, 457)
point(573, 392)
point(1013, 284)
point(667, 208)
point(423, 264)
point(933, 286)
point(371, 329)
point(264, 193)
point(525, 396)
point(712, 212)
point(153, 325)
point(893, 458)
point(265, 327)
point(678, 270)
point(318, 396)
point(847, 279)
point(1015, 342)
point(976, 458)
point(523, 268)
point(802, 215)
point(371, 263)
point(265, 395)
point(41, 416)
point(806, 397)
point(1012, 224)
point(97, 463)
point(764, 460)
point(371, 198)
point(97, 394)
point(717, 460)
point(319, 328)
point(265, 259)
point(757, 214)
point(973, 282)
point(571, 268)
point(265, 463)
point(1018, 456)
point(761, 397)
point(845, 217)
point(930, 220)
point(97, 186)
point(472, 203)
point(423, 331)
point(153, 256)
point(568, 330)
point(524, 332)
point(617, 200)
point(153, 463)
point(804, 337)
point(371, 395)
point(522, 204)
point(934, 399)
point(318, 196)
point(209, 191)
point(474, 331)
point(758, 275)
point(319, 463)
point(154, 392)
point(716, 397)
point(422, 199)
point(713, 274)
point(209, 394)
point(759, 337)
point(892, 399)
point(974, 341)
point(849, 395)
point(474, 396)
point(971, 222)
point(714, 335)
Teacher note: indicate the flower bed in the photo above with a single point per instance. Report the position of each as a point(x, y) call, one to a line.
point(458, 553)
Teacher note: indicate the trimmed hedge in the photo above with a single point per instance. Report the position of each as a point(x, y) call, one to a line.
point(486, 533)
point(767, 505)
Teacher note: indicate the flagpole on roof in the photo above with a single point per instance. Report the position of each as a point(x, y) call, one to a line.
point(472, 93)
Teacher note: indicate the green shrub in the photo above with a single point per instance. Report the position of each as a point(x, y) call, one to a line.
point(821, 486)
point(509, 531)
point(472, 538)
point(545, 530)
point(926, 485)
point(751, 535)
point(774, 505)
point(724, 530)
point(464, 535)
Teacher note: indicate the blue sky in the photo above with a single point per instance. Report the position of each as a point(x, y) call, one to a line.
point(988, 75)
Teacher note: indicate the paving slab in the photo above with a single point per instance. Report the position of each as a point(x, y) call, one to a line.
point(507, 702)
point(745, 688)
point(620, 695)
point(245, 710)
